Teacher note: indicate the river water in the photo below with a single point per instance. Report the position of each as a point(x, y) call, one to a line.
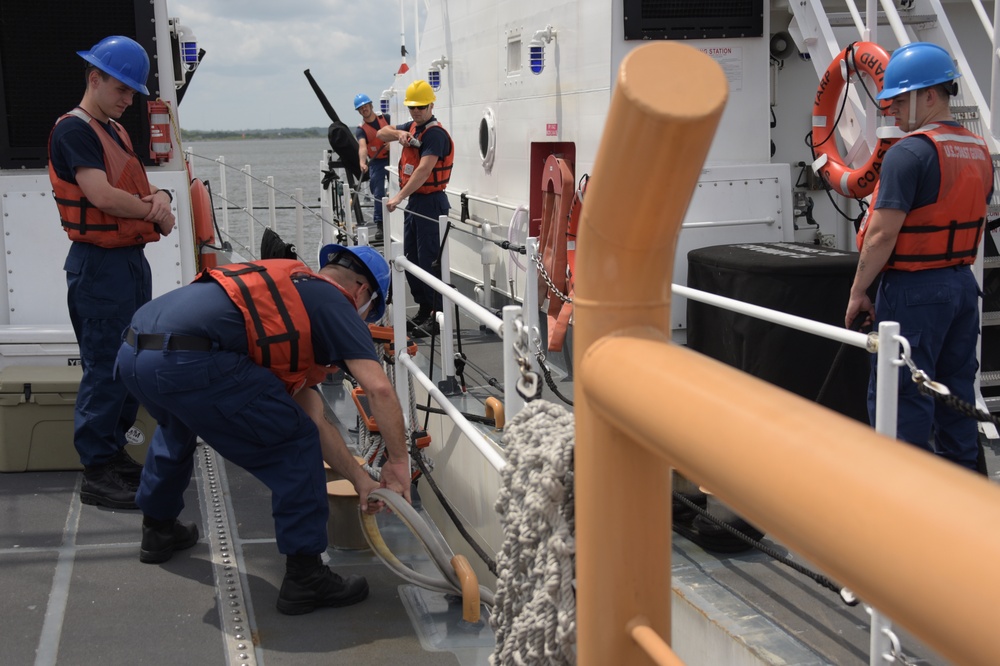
point(293, 163)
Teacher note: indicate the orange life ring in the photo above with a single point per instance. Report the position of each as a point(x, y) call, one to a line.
point(857, 58)
point(204, 224)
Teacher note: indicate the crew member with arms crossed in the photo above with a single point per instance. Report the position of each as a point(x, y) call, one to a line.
point(110, 211)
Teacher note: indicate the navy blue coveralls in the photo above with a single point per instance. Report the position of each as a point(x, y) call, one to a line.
point(421, 230)
point(105, 288)
point(937, 311)
point(239, 408)
point(376, 170)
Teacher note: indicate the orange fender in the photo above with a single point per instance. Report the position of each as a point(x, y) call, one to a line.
point(204, 224)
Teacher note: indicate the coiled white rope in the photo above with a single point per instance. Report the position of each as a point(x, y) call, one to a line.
point(534, 614)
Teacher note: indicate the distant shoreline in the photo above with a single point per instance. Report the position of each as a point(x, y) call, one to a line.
point(240, 135)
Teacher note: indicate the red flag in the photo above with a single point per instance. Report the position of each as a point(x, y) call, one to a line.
point(403, 69)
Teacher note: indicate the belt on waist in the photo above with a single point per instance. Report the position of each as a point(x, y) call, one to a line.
point(173, 342)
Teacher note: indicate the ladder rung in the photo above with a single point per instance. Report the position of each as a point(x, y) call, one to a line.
point(842, 19)
point(991, 378)
point(961, 113)
point(991, 318)
point(992, 404)
point(991, 262)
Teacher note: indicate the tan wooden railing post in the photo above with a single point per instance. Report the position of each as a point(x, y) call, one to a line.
point(664, 113)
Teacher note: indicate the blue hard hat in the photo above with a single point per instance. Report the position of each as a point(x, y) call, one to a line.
point(122, 58)
point(914, 66)
point(377, 272)
point(360, 100)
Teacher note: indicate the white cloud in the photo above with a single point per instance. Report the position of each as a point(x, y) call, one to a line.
point(256, 52)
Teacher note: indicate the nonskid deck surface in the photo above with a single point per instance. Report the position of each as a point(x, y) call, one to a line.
point(76, 593)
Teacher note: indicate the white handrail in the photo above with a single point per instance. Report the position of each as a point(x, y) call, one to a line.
point(478, 312)
point(792, 321)
point(466, 426)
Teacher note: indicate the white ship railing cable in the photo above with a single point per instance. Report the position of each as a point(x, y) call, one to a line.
point(512, 400)
point(325, 215)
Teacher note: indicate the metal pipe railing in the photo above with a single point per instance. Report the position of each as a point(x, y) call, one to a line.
point(623, 281)
point(816, 474)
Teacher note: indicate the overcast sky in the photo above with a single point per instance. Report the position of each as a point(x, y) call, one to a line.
point(256, 52)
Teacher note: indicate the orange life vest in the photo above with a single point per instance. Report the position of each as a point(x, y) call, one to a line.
point(948, 231)
point(410, 158)
point(377, 148)
point(278, 332)
point(82, 220)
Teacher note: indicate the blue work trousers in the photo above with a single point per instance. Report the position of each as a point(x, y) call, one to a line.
point(105, 288)
point(422, 244)
point(243, 412)
point(938, 312)
point(376, 183)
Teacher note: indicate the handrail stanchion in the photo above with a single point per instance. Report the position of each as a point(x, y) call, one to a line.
point(531, 287)
point(623, 282)
point(386, 226)
point(272, 217)
point(399, 329)
point(251, 231)
point(224, 193)
point(513, 402)
point(300, 224)
point(886, 411)
point(447, 333)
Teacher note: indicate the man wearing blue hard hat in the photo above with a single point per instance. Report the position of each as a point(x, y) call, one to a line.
point(920, 236)
point(233, 358)
point(110, 211)
point(372, 151)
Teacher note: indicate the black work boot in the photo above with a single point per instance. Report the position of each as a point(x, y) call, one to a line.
point(309, 584)
point(424, 315)
point(160, 538)
point(103, 486)
point(126, 467)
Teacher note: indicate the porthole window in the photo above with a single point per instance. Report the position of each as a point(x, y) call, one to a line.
point(487, 139)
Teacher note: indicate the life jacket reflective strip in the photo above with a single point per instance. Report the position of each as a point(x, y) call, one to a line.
point(277, 324)
point(948, 231)
point(410, 157)
point(82, 220)
point(377, 148)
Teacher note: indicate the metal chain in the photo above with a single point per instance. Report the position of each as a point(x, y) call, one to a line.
point(939, 391)
point(548, 281)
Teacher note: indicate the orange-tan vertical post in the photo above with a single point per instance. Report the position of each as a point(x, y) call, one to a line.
point(664, 113)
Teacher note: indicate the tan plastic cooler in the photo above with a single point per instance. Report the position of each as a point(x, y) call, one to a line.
point(36, 419)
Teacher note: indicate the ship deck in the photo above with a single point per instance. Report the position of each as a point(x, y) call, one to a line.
point(77, 594)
